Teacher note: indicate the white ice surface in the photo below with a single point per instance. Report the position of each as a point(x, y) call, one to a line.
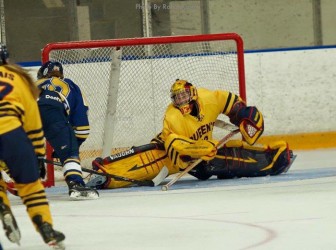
point(296, 210)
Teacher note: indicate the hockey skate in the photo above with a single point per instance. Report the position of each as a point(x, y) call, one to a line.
point(78, 191)
point(9, 223)
point(50, 236)
point(96, 181)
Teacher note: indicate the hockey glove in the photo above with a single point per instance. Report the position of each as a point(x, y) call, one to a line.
point(250, 121)
point(42, 169)
point(251, 131)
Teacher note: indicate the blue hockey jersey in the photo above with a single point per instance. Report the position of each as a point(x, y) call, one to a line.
point(55, 106)
point(77, 107)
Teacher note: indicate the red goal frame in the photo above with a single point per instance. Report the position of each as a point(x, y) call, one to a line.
point(145, 41)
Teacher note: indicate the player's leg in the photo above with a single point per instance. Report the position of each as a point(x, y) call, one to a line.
point(61, 137)
point(6, 216)
point(22, 164)
point(34, 197)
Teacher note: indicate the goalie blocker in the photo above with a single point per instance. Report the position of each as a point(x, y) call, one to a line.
point(235, 159)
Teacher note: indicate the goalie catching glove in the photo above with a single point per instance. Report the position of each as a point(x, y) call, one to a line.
point(249, 120)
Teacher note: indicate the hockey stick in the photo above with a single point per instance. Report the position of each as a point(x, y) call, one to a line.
point(56, 163)
point(150, 183)
point(132, 151)
point(224, 125)
point(191, 166)
point(121, 155)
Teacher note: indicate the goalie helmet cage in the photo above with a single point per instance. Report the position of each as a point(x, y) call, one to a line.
point(126, 82)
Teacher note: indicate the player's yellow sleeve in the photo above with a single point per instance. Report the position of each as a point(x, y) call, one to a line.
point(20, 107)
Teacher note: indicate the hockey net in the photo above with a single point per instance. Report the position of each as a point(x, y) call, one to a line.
point(126, 82)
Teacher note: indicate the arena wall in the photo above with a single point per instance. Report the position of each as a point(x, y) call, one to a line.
point(296, 92)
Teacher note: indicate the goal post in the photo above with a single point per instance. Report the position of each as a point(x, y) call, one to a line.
point(126, 82)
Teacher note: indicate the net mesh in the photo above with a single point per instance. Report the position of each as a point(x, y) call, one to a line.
point(145, 76)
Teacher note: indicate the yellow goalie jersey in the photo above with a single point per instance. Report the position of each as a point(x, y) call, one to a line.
point(211, 105)
point(19, 107)
point(179, 129)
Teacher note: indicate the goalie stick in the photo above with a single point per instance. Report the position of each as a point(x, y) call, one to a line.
point(224, 125)
point(194, 164)
point(150, 183)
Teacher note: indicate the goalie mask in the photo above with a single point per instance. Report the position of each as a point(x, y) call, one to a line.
point(182, 93)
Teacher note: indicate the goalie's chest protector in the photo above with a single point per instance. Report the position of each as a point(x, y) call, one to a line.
point(196, 127)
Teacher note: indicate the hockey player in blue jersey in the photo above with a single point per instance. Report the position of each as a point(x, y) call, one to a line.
point(63, 114)
point(50, 76)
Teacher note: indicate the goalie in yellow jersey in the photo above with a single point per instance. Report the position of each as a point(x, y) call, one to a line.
point(190, 119)
point(187, 135)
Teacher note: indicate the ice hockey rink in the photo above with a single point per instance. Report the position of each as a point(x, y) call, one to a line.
point(296, 210)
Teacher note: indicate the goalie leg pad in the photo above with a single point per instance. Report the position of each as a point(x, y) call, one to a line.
point(282, 159)
point(238, 159)
point(141, 166)
point(201, 172)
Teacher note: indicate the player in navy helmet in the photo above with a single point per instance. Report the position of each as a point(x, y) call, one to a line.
point(50, 69)
point(65, 124)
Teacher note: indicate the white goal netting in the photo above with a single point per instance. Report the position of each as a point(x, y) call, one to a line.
point(126, 82)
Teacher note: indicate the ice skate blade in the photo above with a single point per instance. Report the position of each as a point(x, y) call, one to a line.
point(14, 235)
point(84, 195)
point(57, 245)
